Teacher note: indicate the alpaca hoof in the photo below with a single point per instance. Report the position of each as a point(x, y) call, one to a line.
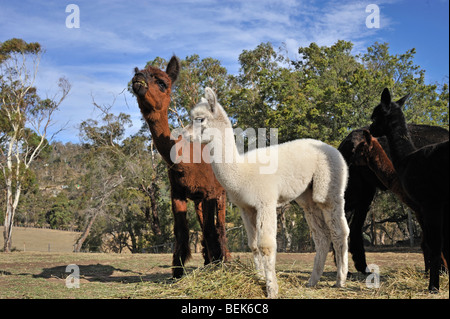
point(272, 293)
point(261, 277)
point(311, 283)
point(177, 272)
point(433, 290)
point(362, 268)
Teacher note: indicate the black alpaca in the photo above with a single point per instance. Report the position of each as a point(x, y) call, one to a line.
point(424, 175)
point(363, 183)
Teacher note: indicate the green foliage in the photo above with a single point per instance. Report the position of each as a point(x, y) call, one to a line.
point(109, 133)
point(15, 45)
point(60, 215)
point(127, 182)
point(329, 91)
point(19, 46)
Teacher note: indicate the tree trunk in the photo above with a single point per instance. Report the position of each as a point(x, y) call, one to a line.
point(373, 230)
point(11, 205)
point(85, 233)
point(134, 245)
point(7, 232)
point(286, 236)
point(153, 209)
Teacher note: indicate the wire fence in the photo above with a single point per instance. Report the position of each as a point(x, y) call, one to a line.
point(47, 227)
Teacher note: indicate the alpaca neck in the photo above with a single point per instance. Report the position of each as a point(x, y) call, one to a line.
point(399, 140)
point(226, 159)
point(381, 165)
point(158, 123)
point(383, 168)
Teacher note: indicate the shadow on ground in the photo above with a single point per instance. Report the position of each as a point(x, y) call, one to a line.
point(106, 273)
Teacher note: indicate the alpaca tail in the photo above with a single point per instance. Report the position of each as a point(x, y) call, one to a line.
point(330, 177)
point(320, 186)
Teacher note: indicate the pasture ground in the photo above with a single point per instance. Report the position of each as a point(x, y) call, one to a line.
point(42, 275)
point(41, 239)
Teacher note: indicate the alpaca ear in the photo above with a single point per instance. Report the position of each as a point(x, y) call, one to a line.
point(386, 97)
point(173, 68)
point(403, 99)
point(367, 138)
point(211, 98)
point(386, 101)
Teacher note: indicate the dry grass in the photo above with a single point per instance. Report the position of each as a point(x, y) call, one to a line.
point(233, 280)
point(38, 239)
point(148, 276)
point(238, 280)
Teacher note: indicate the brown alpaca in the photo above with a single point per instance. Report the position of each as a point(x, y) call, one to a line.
point(188, 180)
point(369, 152)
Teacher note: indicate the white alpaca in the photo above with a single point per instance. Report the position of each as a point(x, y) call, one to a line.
point(310, 172)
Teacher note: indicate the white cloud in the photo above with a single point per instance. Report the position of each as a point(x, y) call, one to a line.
point(115, 36)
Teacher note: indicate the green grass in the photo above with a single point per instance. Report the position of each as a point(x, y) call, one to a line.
point(42, 275)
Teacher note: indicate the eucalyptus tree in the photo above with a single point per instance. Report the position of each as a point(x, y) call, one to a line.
point(25, 119)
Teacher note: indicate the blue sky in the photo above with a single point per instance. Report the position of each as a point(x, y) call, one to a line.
point(115, 36)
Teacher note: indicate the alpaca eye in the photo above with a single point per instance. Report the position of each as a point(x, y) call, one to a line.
point(199, 120)
point(162, 86)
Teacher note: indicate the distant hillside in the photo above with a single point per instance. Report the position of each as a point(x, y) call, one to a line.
point(39, 239)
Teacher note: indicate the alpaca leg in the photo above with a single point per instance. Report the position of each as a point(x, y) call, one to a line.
point(322, 241)
point(360, 201)
point(209, 230)
point(423, 245)
point(266, 228)
point(434, 243)
point(249, 220)
point(220, 226)
point(337, 225)
point(320, 234)
point(182, 251)
point(445, 248)
point(199, 211)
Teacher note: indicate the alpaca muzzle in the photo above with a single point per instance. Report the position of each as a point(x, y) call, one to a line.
point(140, 85)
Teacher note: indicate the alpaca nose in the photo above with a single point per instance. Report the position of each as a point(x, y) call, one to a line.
point(139, 84)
